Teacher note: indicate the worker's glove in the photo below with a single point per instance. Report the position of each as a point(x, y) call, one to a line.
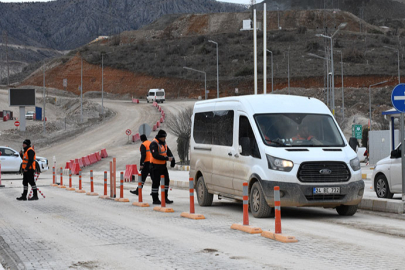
point(172, 163)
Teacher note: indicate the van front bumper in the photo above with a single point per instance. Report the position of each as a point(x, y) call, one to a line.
point(295, 194)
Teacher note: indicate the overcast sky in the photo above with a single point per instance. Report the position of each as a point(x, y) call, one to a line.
point(231, 1)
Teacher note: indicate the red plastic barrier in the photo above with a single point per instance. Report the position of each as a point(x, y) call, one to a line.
point(161, 120)
point(92, 158)
point(104, 153)
point(134, 170)
point(87, 160)
point(128, 173)
point(158, 124)
point(80, 162)
point(136, 137)
point(72, 162)
point(154, 128)
point(76, 169)
point(67, 165)
point(98, 156)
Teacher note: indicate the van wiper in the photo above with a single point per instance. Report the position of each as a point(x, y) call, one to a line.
point(279, 142)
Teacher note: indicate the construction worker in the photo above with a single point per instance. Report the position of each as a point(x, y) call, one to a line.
point(28, 169)
point(144, 163)
point(160, 155)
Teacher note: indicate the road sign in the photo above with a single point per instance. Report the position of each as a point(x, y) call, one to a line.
point(128, 132)
point(357, 131)
point(64, 82)
point(17, 123)
point(398, 97)
point(145, 129)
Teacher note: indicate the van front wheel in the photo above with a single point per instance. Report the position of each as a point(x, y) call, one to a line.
point(346, 210)
point(258, 204)
point(204, 198)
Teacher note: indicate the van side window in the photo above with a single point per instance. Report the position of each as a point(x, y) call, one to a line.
point(214, 128)
point(246, 132)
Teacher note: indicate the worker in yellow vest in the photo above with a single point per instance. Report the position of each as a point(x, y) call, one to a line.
point(144, 163)
point(160, 155)
point(28, 170)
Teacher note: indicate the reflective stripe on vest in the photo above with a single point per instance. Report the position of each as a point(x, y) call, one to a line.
point(148, 157)
point(162, 151)
point(25, 160)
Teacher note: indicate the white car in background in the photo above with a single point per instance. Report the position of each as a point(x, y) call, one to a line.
point(11, 161)
point(387, 175)
point(29, 115)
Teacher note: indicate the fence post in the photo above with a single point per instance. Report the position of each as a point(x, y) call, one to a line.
point(192, 215)
point(61, 178)
point(91, 193)
point(139, 202)
point(122, 199)
point(80, 190)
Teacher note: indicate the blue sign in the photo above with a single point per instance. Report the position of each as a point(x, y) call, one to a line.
point(398, 97)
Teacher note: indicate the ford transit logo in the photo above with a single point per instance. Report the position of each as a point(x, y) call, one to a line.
point(325, 171)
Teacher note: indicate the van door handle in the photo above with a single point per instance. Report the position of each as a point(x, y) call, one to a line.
point(230, 154)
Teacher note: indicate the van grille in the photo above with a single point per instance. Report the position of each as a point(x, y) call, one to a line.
point(323, 172)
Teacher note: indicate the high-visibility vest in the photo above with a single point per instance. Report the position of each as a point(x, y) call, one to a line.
point(299, 138)
point(148, 157)
point(162, 151)
point(25, 160)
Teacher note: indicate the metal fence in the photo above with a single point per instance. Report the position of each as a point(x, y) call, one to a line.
point(380, 144)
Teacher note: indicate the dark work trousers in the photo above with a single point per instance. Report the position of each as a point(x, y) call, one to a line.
point(28, 178)
point(159, 170)
point(145, 171)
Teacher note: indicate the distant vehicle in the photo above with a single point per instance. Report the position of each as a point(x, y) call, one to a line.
point(157, 95)
point(29, 115)
point(387, 175)
point(273, 140)
point(11, 161)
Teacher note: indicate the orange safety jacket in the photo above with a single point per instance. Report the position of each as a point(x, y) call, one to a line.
point(25, 160)
point(298, 137)
point(162, 151)
point(148, 157)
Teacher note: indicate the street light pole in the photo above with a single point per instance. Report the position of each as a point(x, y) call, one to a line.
point(217, 67)
point(102, 84)
point(288, 70)
point(342, 25)
point(369, 97)
point(399, 72)
point(44, 98)
point(81, 90)
point(272, 84)
point(343, 92)
point(205, 76)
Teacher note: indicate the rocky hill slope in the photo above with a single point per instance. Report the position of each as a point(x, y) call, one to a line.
point(68, 24)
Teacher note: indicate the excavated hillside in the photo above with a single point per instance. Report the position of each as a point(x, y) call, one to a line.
point(155, 57)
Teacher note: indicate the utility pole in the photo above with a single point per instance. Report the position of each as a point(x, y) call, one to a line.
point(81, 90)
point(5, 38)
point(44, 98)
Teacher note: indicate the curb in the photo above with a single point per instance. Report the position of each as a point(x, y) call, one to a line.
point(382, 205)
point(182, 168)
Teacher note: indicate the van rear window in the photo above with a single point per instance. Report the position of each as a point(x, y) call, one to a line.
point(214, 127)
point(160, 94)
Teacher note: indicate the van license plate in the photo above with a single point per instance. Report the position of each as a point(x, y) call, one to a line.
point(327, 190)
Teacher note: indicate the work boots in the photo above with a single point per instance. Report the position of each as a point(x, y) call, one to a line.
point(167, 200)
point(134, 191)
point(23, 196)
point(34, 195)
point(155, 198)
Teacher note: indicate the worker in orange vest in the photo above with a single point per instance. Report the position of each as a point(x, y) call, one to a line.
point(160, 155)
point(28, 170)
point(144, 163)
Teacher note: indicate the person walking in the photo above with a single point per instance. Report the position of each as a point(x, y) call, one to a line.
point(144, 164)
point(160, 155)
point(28, 167)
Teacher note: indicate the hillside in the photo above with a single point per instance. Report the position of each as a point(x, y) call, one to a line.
point(68, 24)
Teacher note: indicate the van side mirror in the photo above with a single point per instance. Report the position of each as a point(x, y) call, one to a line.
point(16, 155)
point(353, 142)
point(396, 153)
point(245, 144)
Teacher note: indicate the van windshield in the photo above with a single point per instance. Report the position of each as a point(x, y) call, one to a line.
point(298, 130)
point(160, 94)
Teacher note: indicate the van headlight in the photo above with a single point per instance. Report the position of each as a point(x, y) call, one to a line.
point(355, 164)
point(279, 164)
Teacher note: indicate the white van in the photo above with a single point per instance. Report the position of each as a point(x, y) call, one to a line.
point(273, 140)
point(157, 95)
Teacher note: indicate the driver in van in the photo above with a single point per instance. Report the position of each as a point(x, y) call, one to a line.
point(303, 134)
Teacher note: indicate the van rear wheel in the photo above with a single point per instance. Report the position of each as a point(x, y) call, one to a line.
point(204, 198)
point(347, 210)
point(258, 204)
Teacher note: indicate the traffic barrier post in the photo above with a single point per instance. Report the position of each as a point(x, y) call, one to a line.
point(162, 207)
point(158, 124)
point(192, 214)
point(105, 196)
point(91, 193)
point(245, 226)
point(80, 190)
point(54, 177)
point(61, 179)
point(277, 235)
point(121, 198)
point(70, 188)
point(139, 202)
